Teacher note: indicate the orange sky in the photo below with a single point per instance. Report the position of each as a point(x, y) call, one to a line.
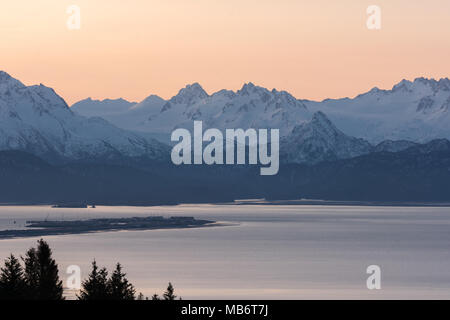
point(313, 49)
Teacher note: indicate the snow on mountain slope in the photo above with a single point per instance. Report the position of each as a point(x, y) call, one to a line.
point(416, 110)
point(250, 107)
point(412, 111)
point(101, 108)
point(37, 120)
point(123, 114)
point(319, 140)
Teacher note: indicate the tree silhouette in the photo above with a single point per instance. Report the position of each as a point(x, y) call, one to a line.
point(11, 280)
point(96, 286)
point(31, 274)
point(170, 293)
point(141, 297)
point(49, 285)
point(39, 280)
point(119, 287)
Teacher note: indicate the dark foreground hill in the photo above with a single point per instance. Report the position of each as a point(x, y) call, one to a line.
point(24, 178)
point(419, 173)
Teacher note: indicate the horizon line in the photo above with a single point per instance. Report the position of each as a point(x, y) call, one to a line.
point(249, 83)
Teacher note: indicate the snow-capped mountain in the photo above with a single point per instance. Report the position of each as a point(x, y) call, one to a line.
point(37, 120)
point(102, 108)
point(122, 113)
point(416, 110)
point(250, 107)
point(319, 140)
point(390, 120)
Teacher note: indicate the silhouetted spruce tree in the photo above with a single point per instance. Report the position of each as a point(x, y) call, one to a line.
point(31, 274)
point(96, 286)
point(155, 297)
point(170, 293)
point(49, 285)
point(11, 280)
point(119, 287)
point(141, 297)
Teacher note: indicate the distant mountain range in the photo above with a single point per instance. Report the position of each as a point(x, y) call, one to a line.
point(391, 120)
point(35, 119)
point(417, 111)
point(381, 145)
point(250, 107)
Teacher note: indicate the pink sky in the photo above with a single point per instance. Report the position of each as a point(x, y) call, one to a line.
point(313, 49)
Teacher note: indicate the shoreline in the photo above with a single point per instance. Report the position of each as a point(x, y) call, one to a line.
point(299, 202)
point(312, 202)
point(56, 228)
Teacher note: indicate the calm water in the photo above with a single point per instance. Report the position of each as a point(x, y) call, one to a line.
point(273, 252)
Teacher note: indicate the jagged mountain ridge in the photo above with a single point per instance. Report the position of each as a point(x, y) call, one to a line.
point(417, 111)
point(250, 107)
point(124, 114)
point(412, 110)
point(319, 140)
point(37, 120)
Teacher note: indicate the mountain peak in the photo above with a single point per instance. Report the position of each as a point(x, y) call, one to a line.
point(320, 117)
point(319, 122)
point(225, 93)
point(248, 85)
point(319, 140)
point(152, 98)
point(435, 85)
point(248, 88)
point(96, 108)
point(190, 94)
point(4, 76)
point(7, 82)
point(404, 85)
point(195, 87)
point(376, 90)
point(263, 93)
point(40, 122)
